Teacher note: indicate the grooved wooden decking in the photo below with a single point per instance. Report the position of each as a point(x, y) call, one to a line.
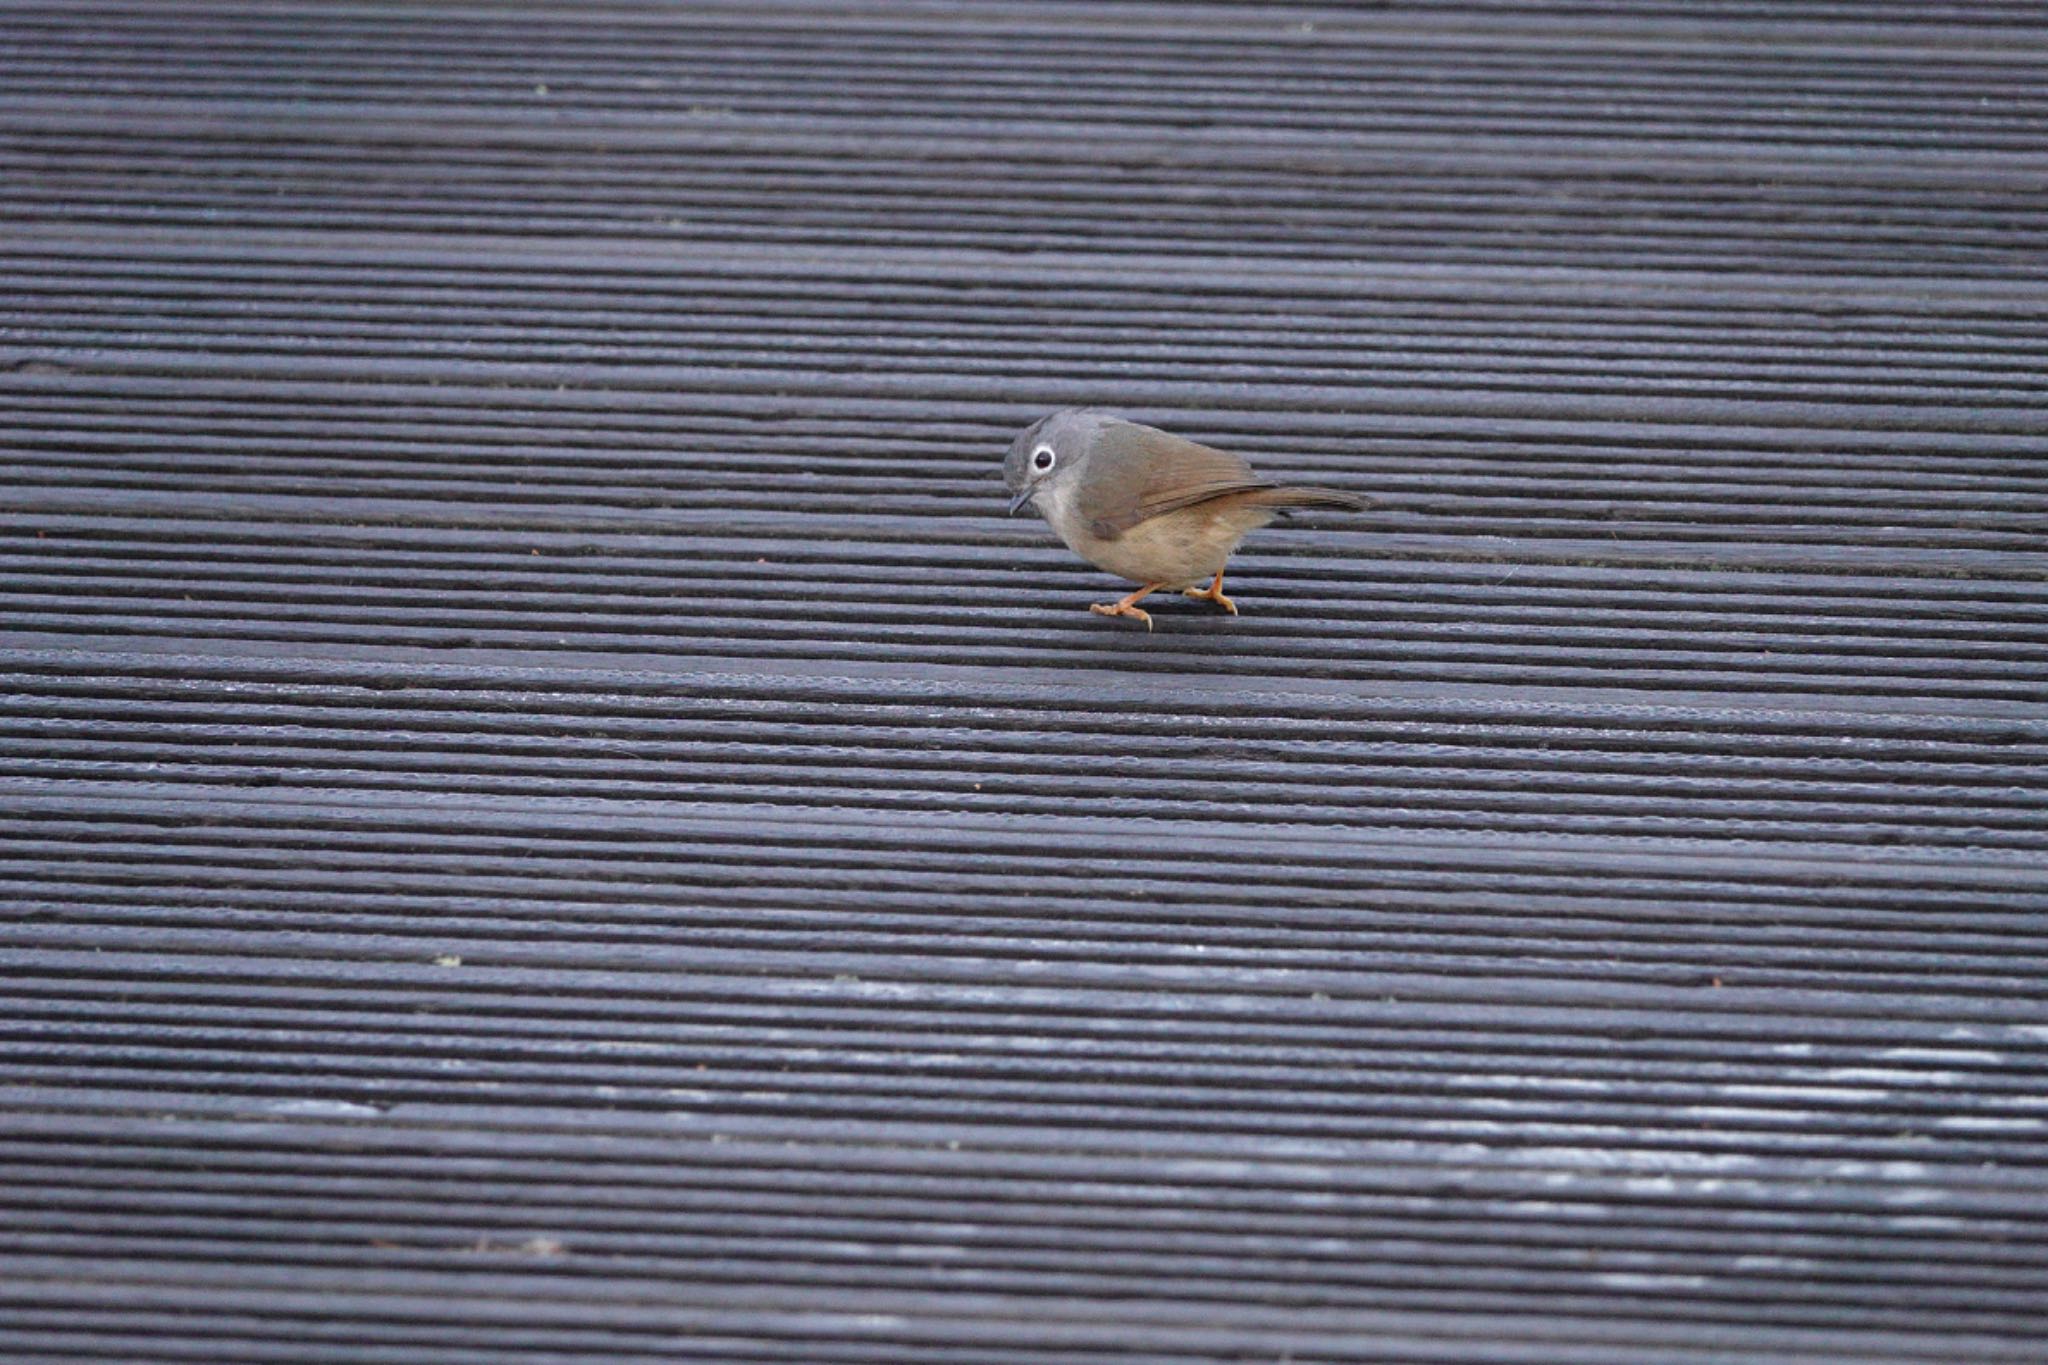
point(547, 817)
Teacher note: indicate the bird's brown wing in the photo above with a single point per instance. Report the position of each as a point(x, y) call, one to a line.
point(1138, 472)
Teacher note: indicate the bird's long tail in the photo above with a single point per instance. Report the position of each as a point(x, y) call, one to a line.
point(1282, 498)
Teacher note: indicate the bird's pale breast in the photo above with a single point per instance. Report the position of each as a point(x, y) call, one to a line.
point(1179, 549)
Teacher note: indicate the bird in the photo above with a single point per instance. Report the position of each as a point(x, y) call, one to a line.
point(1148, 506)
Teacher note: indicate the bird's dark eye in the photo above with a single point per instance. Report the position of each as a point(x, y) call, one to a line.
point(1042, 458)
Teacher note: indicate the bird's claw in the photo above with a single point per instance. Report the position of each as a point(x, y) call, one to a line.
point(1122, 609)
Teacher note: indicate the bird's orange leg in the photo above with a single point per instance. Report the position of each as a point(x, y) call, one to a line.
point(1214, 593)
point(1127, 607)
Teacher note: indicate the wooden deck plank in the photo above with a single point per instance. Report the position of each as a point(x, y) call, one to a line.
point(546, 817)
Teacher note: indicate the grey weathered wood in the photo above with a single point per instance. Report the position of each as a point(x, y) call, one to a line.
point(545, 816)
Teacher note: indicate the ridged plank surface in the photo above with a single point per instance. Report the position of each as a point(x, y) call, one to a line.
point(545, 815)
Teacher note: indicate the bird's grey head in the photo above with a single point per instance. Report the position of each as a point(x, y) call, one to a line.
point(1049, 452)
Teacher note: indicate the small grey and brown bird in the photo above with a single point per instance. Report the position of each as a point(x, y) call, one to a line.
point(1149, 506)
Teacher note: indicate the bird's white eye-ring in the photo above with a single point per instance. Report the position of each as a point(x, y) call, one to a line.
point(1042, 458)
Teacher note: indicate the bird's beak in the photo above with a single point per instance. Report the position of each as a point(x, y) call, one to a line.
point(1017, 503)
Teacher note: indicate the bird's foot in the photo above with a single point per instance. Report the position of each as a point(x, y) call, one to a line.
point(1122, 609)
point(1127, 606)
point(1212, 593)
